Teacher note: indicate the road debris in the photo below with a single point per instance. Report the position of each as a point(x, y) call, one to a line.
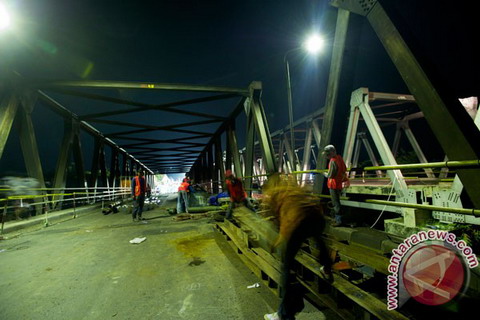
point(138, 240)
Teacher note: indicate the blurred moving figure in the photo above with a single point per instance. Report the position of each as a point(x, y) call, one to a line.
point(24, 190)
point(299, 217)
point(236, 192)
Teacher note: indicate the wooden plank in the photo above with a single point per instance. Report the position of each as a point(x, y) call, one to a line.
point(264, 232)
point(357, 295)
point(254, 258)
point(361, 255)
point(269, 258)
point(269, 269)
point(327, 301)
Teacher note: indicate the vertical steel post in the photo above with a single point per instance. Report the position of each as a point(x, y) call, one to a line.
point(29, 145)
point(249, 146)
point(290, 106)
point(60, 178)
point(78, 158)
point(219, 168)
point(261, 125)
point(280, 154)
point(332, 91)
point(211, 171)
point(8, 110)
point(306, 150)
point(416, 148)
point(232, 138)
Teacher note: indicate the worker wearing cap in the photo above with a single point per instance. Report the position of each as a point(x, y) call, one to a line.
point(336, 176)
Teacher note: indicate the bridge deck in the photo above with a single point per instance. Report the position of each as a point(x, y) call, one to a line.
point(85, 268)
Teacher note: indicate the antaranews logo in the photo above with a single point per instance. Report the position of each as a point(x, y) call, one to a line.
point(430, 267)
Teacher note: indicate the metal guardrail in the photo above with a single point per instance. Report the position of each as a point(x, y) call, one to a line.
point(474, 212)
point(50, 200)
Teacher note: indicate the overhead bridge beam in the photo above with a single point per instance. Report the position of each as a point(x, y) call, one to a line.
point(138, 85)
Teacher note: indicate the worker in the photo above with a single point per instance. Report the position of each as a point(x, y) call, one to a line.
point(337, 176)
point(299, 216)
point(139, 187)
point(237, 194)
point(184, 190)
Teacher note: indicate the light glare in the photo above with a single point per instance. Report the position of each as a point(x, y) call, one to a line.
point(314, 44)
point(4, 17)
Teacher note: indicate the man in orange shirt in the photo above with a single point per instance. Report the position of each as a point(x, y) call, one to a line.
point(183, 194)
point(139, 187)
point(336, 177)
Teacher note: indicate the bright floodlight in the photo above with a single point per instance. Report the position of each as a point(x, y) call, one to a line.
point(314, 44)
point(4, 17)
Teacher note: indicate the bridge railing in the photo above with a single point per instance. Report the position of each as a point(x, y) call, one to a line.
point(18, 204)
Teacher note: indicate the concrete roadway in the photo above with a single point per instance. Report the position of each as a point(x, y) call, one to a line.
point(85, 268)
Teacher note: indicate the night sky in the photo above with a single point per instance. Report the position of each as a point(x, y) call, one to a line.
point(224, 43)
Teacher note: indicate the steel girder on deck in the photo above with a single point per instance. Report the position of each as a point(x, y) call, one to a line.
point(440, 108)
point(360, 106)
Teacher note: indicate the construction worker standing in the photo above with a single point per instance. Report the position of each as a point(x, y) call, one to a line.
point(183, 194)
point(139, 187)
point(336, 177)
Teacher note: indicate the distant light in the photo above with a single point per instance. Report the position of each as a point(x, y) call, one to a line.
point(4, 17)
point(314, 44)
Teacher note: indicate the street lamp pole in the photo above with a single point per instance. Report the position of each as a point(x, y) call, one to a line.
point(290, 108)
point(313, 45)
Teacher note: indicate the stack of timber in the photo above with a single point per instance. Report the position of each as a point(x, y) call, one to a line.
point(252, 237)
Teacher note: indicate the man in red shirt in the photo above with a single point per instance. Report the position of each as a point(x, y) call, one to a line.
point(336, 176)
point(236, 192)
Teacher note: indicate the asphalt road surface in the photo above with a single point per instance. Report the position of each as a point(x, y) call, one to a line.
point(86, 268)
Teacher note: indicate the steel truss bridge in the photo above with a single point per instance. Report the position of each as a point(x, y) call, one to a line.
point(207, 144)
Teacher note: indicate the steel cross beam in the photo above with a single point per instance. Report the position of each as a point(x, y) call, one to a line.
point(441, 109)
point(142, 145)
point(172, 129)
point(137, 85)
point(67, 114)
point(168, 107)
point(145, 141)
point(144, 126)
point(164, 107)
point(142, 149)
